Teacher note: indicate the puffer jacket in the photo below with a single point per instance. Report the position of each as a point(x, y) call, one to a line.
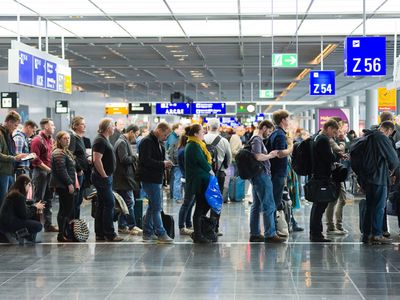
point(62, 169)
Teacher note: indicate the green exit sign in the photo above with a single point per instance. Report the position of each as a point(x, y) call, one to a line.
point(267, 94)
point(284, 60)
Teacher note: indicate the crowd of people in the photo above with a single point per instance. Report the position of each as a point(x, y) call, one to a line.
point(137, 162)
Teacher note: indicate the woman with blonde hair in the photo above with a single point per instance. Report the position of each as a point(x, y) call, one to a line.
point(63, 178)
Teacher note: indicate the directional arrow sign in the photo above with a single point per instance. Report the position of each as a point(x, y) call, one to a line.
point(284, 60)
point(266, 93)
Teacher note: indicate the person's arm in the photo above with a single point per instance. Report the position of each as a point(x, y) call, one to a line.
point(122, 153)
point(146, 159)
point(200, 158)
point(19, 143)
point(228, 152)
point(280, 145)
point(20, 207)
point(385, 145)
point(256, 148)
point(324, 151)
point(236, 144)
point(98, 164)
point(36, 146)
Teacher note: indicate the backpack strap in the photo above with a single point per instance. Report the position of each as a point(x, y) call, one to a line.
point(216, 141)
point(312, 141)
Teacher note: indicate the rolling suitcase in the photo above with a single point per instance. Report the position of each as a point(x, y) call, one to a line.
point(138, 210)
point(236, 189)
point(362, 206)
point(169, 224)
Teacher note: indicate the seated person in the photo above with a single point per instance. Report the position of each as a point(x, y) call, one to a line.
point(15, 214)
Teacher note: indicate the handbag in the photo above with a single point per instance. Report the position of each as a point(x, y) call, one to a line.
point(213, 195)
point(321, 190)
point(339, 173)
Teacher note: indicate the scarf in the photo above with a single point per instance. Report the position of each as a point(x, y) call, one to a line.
point(202, 146)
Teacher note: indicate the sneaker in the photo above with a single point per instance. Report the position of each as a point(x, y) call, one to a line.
point(185, 231)
point(164, 239)
point(379, 240)
point(136, 231)
point(257, 238)
point(335, 232)
point(274, 240)
point(281, 234)
point(319, 239)
point(124, 230)
point(386, 234)
point(116, 238)
point(341, 229)
point(51, 228)
point(150, 239)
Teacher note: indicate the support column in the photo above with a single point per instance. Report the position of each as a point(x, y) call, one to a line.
point(371, 108)
point(303, 121)
point(306, 122)
point(354, 103)
point(311, 121)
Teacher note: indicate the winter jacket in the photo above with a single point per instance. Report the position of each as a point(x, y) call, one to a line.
point(7, 159)
point(62, 169)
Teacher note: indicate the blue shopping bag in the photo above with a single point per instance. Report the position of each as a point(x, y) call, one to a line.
point(213, 195)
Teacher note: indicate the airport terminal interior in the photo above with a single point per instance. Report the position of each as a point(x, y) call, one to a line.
point(235, 63)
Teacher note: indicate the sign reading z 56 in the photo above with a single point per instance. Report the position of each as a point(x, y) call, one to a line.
point(365, 56)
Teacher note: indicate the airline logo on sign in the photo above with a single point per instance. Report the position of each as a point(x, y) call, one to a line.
point(284, 60)
point(386, 99)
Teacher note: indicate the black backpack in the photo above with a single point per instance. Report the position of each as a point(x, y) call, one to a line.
point(248, 166)
point(212, 148)
point(363, 156)
point(301, 157)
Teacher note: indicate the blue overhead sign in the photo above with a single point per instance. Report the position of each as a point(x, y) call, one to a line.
point(322, 83)
point(25, 68)
point(365, 56)
point(39, 72)
point(209, 108)
point(173, 109)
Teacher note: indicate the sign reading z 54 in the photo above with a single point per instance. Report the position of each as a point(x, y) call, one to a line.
point(322, 83)
point(365, 56)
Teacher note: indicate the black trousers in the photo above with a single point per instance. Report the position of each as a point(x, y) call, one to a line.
point(201, 209)
point(66, 210)
point(317, 211)
point(18, 224)
point(221, 180)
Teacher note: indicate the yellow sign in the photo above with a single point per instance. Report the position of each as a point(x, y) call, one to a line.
point(386, 99)
point(67, 85)
point(116, 109)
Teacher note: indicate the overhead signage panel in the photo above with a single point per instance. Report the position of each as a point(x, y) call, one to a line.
point(209, 108)
point(246, 108)
point(387, 99)
point(140, 109)
point(32, 67)
point(284, 60)
point(268, 94)
point(61, 107)
point(116, 108)
point(173, 109)
point(9, 100)
point(365, 56)
point(322, 83)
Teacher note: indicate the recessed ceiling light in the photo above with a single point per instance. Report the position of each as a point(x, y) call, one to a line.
point(172, 46)
point(180, 55)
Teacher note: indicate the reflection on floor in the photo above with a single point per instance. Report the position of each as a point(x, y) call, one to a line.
point(230, 269)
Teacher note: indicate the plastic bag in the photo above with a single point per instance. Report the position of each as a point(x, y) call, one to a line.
point(213, 195)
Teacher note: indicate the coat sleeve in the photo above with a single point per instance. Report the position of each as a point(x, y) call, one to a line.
point(388, 151)
point(145, 156)
point(201, 159)
point(122, 154)
point(36, 145)
point(20, 208)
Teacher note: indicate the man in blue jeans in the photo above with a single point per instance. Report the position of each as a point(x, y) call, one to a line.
point(263, 200)
point(171, 146)
point(152, 166)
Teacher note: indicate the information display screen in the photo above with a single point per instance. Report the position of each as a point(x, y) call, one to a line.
point(140, 109)
point(9, 100)
point(61, 107)
point(209, 108)
point(173, 109)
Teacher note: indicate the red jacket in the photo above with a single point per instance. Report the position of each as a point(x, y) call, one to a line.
point(42, 145)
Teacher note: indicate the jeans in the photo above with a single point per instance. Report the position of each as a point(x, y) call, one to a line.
point(278, 183)
point(330, 210)
point(18, 224)
point(152, 223)
point(176, 183)
point(316, 214)
point(79, 197)
point(127, 220)
point(5, 182)
point(65, 211)
point(376, 196)
point(41, 191)
point(103, 223)
point(263, 201)
point(185, 212)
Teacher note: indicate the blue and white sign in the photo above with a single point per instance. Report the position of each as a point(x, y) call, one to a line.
point(39, 72)
point(365, 56)
point(209, 108)
point(51, 75)
point(25, 68)
point(173, 109)
point(322, 83)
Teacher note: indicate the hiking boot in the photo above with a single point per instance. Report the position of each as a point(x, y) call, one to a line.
point(150, 239)
point(164, 239)
point(185, 231)
point(379, 240)
point(274, 240)
point(257, 238)
point(115, 239)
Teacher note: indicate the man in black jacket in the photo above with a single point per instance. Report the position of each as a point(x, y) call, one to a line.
point(323, 159)
point(124, 178)
point(152, 165)
point(376, 182)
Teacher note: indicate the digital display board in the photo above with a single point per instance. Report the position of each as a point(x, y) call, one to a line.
point(61, 107)
point(246, 108)
point(173, 109)
point(140, 109)
point(209, 108)
point(9, 100)
point(322, 83)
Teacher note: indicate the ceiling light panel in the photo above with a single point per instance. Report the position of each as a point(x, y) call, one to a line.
point(280, 7)
point(202, 7)
point(328, 27)
point(135, 7)
point(152, 28)
point(343, 7)
point(62, 8)
point(211, 28)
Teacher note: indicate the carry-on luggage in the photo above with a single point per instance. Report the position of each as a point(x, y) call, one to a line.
point(362, 206)
point(169, 224)
point(236, 189)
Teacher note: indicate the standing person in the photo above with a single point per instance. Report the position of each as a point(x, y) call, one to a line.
point(263, 198)
point(21, 139)
point(152, 166)
point(63, 181)
point(224, 157)
point(124, 178)
point(197, 175)
point(376, 183)
point(323, 159)
point(78, 149)
point(102, 178)
point(236, 141)
point(42, 145)
point(171, 146)
point(7, 152)
point(119, 126)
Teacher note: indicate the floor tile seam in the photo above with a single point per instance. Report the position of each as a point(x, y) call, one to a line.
point(180, 276)
point(355, 286)
point(291, 275)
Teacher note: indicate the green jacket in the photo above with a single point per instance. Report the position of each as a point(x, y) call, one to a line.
point(197, 169)
point(6, 160)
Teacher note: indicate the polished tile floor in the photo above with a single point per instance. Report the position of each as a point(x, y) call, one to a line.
point(230, 269)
